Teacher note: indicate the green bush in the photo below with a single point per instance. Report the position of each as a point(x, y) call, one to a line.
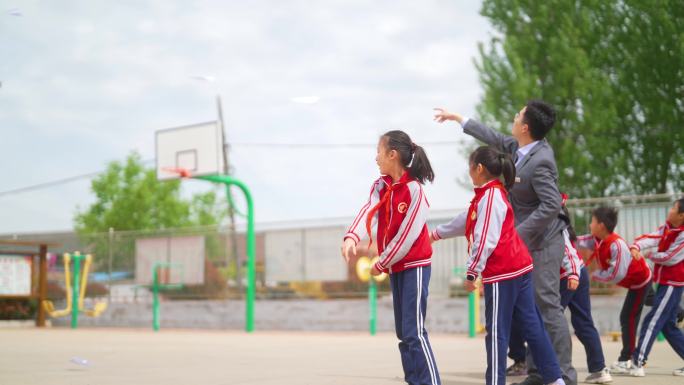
point(18, 309)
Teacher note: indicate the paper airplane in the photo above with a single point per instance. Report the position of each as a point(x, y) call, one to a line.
point(209, 79)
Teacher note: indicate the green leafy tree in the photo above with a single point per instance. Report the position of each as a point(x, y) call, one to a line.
point(208, 208)
point(612, 69)
point(650, 84)
point(129, 197)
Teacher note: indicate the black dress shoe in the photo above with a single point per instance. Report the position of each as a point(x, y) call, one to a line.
point(530, 381)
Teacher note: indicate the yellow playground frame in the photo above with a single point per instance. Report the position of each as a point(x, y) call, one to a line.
point(75, 290)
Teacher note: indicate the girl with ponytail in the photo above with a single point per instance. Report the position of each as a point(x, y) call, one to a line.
point(394, 218)
point(499, 256)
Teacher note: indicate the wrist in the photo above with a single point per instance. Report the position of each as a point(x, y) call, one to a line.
point(354, 238)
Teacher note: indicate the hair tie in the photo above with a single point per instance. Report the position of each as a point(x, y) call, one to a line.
point(413, 154)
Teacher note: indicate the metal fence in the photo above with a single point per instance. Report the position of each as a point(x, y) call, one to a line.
point(294, 260)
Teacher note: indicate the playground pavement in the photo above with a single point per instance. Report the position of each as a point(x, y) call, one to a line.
point(138, 357)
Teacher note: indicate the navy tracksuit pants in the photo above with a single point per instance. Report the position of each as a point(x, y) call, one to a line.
point(662, 317)
point(409, 294)
point(580, 316)
point(629, 320)
point(509, 303)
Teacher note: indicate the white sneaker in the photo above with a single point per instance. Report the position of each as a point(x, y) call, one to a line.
point(558, 382)
point(678, 372)
point(637, 371)
point(600, 377)
point(621, 367)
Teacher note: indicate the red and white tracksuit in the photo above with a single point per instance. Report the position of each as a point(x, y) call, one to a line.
point(399, 224)
point(617, 266)
point(615, 261)
point(496, 252)
point(396, 213)
point(494, 248)
point(669, 274)
point(572, 264)
point(669, 255)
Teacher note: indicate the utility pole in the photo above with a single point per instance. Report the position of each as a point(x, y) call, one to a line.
point(231, 209)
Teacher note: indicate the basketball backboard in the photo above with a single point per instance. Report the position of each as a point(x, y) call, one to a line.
point(197, 149)
point(188, 253)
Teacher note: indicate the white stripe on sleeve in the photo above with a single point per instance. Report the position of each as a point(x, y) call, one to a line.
point(673, 255)
point(357, 230)
point(491, 213)
point(649, 240)
point(410, 228)
point(620, 258)
point(571, 260)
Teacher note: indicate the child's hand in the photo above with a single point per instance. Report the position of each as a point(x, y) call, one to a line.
point(443, 115)
point(469, 286)
point(572, 284)
point(636, 254)
point(375, 271)
point(347, 246)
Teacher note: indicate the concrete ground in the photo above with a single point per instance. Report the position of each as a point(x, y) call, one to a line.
point(138, 357)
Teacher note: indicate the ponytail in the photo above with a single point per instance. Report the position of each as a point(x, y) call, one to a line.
point(413, 157)
point(508, 168)
point(497, 164)
point(420, 167)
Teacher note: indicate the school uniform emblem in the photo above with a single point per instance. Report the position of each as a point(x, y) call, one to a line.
point(402, 207)
point(473, 216)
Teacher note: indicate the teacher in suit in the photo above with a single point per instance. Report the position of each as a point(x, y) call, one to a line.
point(536, 204)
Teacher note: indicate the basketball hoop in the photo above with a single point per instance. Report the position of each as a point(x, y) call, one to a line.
point(180, 171)
point(190, 151)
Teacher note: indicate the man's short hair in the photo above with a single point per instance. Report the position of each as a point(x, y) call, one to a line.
point(606, 215)
point(681, 205)
point(539, 117)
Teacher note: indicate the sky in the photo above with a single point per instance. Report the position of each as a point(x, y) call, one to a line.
point(85, 83)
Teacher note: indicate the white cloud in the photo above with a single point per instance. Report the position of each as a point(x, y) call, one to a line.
point(85, 83)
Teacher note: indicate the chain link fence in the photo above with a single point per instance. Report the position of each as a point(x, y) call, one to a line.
point(295, 261)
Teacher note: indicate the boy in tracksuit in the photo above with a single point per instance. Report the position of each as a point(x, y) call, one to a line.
point(574, 290)
point(616, 265)
point(668, 273)
point(496, 252)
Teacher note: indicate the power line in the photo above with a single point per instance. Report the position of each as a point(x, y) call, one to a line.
point(314, 146)
point(48, 184)
point(57, 182)
point(329, 145)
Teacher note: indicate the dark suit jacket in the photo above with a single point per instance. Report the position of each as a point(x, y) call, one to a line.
point(535, 197)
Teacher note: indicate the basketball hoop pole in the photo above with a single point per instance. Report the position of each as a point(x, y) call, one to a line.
point(251, 244)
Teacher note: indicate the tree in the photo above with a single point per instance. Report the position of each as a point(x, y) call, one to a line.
point(650, 81)
point(619, 116)
point(208, 208)
point(129, 197)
